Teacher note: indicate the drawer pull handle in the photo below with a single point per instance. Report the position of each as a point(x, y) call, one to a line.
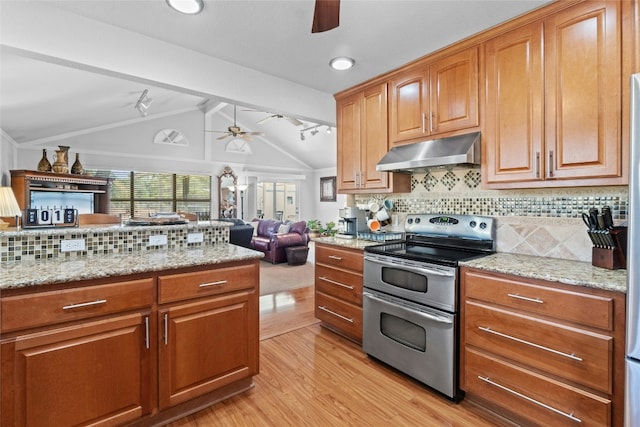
point(218, 283)
point(335, 283)
point(551, 408)
point(323, 308)
point(560, 353)
point(536, 300)
point(146, 332)
point(166, 329)
point(84, 304)
point(337, 258)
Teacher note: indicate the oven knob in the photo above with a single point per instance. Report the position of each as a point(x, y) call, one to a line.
point(410, 220)
point(472, 224)
point(483, 225)
point(417, 220)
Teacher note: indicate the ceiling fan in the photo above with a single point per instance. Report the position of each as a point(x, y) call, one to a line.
point(326, 15)
point(291, 120)
point(235, 130)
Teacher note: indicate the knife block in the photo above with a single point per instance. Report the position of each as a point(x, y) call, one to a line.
point(615, 258)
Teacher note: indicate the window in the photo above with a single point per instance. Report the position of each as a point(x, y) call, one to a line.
point(144, 193)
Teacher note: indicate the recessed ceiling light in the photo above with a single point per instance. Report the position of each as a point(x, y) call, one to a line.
point(190, 7)
point(341, 63)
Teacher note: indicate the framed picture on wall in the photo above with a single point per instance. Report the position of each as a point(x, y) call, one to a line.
point(328, 189)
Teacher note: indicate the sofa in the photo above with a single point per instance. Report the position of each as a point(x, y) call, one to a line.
point(272, 237)
point(239, 233)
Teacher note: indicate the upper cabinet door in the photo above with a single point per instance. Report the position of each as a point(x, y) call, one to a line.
point(348, 128)
point(408, 109)
point(374, 143)
point(454, 92)
point(514, 129)
point(583, 91)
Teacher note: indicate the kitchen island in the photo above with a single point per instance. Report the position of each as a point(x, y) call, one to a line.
point(125, 331)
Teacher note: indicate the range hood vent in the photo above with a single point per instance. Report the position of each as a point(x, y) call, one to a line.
point(455, 150)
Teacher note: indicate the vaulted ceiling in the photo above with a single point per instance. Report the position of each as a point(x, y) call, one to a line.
point(41, 99)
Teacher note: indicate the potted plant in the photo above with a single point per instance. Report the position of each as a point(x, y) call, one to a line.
point(314, 226)
point(330, 229)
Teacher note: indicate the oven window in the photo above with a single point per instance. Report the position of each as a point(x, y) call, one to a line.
point(403, 331)
point(405, 279)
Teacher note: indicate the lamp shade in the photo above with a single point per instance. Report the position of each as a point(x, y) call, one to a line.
point(8, 203)
point(242, 187)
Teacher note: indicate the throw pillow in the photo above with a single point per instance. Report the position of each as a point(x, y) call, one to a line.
point(284, 229)
point(254, 224)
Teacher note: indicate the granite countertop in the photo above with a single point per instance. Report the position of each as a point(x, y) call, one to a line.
point(88, 228)
point(61, 270)
point(346, 243)
point(553, 269)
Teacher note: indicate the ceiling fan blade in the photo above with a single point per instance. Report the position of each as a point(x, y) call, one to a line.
point(266, 119)
point(293, 121)
point(326, 15)
point(253, 133)
point(226, 135)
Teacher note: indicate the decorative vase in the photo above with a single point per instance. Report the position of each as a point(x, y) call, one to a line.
point(77, 167)
point(43, 164)
point(60, 165)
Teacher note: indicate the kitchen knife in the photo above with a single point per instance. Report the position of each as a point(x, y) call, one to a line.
point(601, 224)
point(608, 218)
point(593, 217)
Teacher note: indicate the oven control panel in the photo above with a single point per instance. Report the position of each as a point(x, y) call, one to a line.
point(466, 226)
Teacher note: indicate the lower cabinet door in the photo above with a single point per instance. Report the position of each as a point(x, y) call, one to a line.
point(206, 345)
point(531, 398)
point(96, 373)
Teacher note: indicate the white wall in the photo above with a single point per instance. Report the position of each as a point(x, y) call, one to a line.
point(8, 154)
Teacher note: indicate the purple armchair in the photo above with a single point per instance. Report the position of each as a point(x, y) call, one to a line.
point(273, 237)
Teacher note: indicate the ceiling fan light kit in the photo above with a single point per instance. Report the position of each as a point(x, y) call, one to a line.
point(188, 7)
point(342, 63)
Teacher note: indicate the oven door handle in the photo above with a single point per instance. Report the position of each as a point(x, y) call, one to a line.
point(411, 268)
point(435, 318)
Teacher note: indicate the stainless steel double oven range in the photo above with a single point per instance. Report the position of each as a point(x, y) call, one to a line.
point(410, 298)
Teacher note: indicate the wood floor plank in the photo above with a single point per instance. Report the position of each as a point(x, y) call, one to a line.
point(310, 376)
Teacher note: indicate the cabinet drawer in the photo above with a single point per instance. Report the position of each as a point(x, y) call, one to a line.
point(588, 310)
point(340, 284)
point(176, 287)
point(45, 308)
point(340, 315)
point(531, 398)
point(574, 354)
point(331, 255)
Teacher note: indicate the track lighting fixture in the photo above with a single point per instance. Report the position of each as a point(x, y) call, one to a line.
point(313, 130)
point(143, 103)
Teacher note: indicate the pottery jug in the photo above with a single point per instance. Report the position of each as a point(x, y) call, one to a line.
point(60, 165)
point(44, 165)
point(77, 167)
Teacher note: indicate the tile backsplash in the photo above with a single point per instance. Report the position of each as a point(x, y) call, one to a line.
point(545, 222)
point(45, 243)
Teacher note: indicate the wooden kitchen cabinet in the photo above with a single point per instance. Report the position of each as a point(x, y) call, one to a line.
point(362, 142)
point(542, 353)
point(134, 350)
point(435, 98)
point(207, 343)
point(52, 375)
point(554, 100)
point(338, 289)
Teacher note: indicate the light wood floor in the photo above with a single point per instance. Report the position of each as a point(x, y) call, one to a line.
point(310, 376)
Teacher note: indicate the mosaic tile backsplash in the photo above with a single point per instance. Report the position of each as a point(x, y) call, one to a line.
point(544, 222)
point(45, 243)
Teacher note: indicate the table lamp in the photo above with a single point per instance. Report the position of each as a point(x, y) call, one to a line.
point(9, 207)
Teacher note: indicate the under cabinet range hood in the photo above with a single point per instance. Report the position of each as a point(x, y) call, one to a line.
point(454, 150)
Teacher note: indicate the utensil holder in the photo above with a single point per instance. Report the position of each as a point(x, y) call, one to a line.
point(612, 258)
